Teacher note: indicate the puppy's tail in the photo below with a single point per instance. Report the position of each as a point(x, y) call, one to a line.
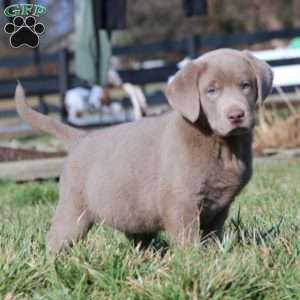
point(68, 135)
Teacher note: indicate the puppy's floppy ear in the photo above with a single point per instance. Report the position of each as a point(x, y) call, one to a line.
point(183, 92)
point(264, 75)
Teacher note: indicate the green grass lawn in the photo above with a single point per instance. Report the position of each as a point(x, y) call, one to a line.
point(258, 259)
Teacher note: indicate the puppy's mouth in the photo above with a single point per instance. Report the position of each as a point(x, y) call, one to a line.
point(233, 132)
point(243, 127)
point(239, 130)
point(234, 129)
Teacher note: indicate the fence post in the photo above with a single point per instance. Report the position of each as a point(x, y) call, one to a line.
point(37, 61)
point(63, 61)
point(193, 44)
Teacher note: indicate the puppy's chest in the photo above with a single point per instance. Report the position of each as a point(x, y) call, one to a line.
point(221, 183)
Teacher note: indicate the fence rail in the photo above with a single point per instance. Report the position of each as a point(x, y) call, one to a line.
point(208, 42)
point(189, 46)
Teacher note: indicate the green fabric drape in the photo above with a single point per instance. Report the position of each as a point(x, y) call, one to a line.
point(85, 46)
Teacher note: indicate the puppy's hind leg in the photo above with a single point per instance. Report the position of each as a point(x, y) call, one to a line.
point(71, 221)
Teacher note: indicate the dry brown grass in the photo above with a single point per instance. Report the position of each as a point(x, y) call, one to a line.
point(277, 131)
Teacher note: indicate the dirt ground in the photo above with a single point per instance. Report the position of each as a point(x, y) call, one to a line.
point(10, 154)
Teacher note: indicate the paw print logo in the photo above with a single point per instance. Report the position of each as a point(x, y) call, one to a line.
point(24, 32)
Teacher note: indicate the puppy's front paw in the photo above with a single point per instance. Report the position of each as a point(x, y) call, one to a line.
point(54, 244)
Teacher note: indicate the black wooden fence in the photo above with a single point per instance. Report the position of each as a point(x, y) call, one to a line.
point(191, 46)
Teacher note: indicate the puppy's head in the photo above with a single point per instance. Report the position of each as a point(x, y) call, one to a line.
point(224, 86)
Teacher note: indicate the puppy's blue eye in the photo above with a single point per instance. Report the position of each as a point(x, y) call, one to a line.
point(211, 91)
point(246, 85)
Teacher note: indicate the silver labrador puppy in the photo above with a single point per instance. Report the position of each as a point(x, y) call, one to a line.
point(178, 172)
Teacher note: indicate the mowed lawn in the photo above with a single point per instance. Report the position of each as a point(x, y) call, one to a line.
point(258, 259)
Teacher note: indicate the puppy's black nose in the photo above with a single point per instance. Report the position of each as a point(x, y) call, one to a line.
point(236, 115)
